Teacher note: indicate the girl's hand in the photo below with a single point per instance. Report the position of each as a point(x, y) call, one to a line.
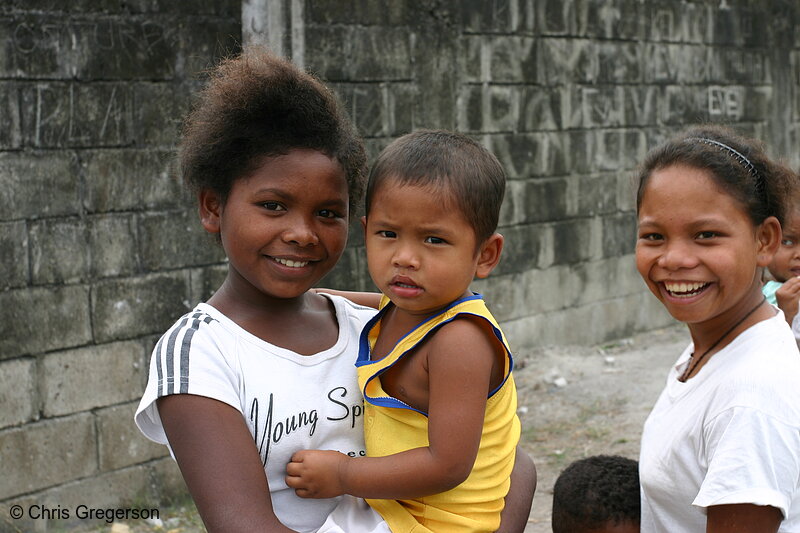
point(316, 473)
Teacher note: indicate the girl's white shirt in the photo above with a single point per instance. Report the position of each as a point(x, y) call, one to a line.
point(730, 434)
point(289, 401)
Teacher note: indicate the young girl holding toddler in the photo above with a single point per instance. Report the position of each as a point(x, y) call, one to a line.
point(721, 449)
point(265, 367)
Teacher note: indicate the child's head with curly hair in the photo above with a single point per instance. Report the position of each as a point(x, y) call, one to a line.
point(599, 494)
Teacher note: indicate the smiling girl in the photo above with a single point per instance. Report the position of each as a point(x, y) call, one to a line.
point(721, 448)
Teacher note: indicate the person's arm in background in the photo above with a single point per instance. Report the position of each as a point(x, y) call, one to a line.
point(367, 299)
point(788, 298)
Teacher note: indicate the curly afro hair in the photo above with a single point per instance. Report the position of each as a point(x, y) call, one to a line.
point(258, 105)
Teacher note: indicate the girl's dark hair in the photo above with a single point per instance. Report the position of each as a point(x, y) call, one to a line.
point(463, 170)
point(258, 105)
point(739, 165)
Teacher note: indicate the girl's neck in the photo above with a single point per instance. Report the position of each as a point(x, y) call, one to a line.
point(713, 335)
point(233, 303)
point(283, 322)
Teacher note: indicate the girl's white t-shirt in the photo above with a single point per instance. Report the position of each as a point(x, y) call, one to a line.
point(289, 401)
point(730, 434)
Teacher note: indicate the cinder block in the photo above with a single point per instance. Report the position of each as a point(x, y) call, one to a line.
point(685, 105)
point(220, 8)
point(501, 294)
point(469, 105)
point(522, 155)
point(175, 239)
point(502, 16)
point(541, 108)
point(130, 307)
point(569, 61)
point(86, 378)
point(63, 507)
point(640, 105)
point(112, 245)
point(694, 64)
point(473, 58)
point(583, 150)
point(619, 234)
point(602, 106)
point(37, 320)
point(47, 453)
point(34, 46)
point(572, 241)
point(558, 153)
point(608, 145)
point(366, 104)
point(739, 65)
point(18, 393)
point(597, 194)
point(434, 105)
point(512, 211)
point(38, 184)
point(350, 273)
point(556, 17)
point(514, 59)
point(14, 259)
point(523, 250)
point(627, 184)
point(205, 282)
point(600, 321)
point(732, 27)
point(167, 483)
point(58, 251)
point(158, 108)
point(620, 62)
point(605, 279)
point(502, 112)
point(10, 134)
point(363, 12)
point(352, 53)
point(402, 109)
point(75, 6)
point(119, 440)
point(124, 48)
point(544, 200)
point(634, 151)
point(63, 115)
point(612, 19)
point(203, 41)
point(119, 180)
point(681, 22)
point(660, 62)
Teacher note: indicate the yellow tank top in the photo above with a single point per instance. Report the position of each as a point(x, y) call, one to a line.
point(391, 426)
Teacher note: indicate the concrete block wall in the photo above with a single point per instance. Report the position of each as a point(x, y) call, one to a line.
point(569, 94)
point(100, 250)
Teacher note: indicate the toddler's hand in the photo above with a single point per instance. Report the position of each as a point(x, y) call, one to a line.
point(788, 297)
point(316, 473)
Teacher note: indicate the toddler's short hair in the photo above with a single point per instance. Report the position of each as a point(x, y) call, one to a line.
point(469, 176)
point(259, 105)
point(596, 491)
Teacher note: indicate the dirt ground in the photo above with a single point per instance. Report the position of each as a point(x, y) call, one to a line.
point(574, 401)
point(581, 401)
